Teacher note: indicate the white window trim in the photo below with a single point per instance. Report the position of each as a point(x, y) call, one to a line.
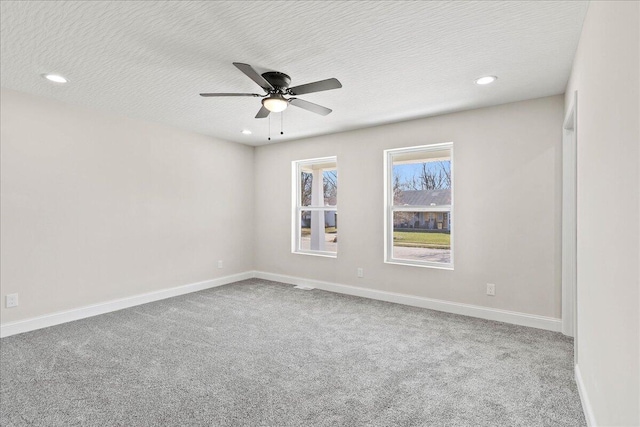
point(297, 207)
point(389, 208)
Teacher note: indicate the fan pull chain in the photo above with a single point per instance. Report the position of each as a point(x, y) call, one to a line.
point(281, 123)
point(269, 139)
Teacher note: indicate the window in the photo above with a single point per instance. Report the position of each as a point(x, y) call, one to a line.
point(315, 210)
point(419, 205)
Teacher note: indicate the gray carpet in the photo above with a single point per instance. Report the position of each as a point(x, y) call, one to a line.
point(259, 353)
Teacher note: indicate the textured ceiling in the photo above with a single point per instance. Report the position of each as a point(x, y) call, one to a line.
point(396, 60)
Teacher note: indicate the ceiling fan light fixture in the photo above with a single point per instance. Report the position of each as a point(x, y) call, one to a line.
point(275, 103)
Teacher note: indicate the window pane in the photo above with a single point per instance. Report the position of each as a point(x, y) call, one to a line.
point(306, 183)
point(316, 205)
point(330, 186)
point(422, 236)
point(323, 196)
point(424, 182)
point(420, 194)
point(319, 231)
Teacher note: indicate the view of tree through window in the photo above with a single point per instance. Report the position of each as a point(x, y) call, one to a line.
point(420, 207)
point(329, 185)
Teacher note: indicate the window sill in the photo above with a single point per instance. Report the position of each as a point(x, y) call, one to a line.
point(316, 253)
point(438, 266)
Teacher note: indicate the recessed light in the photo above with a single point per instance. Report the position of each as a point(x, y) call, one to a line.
point(486, 80)
point(56, 78)
point(246, 132)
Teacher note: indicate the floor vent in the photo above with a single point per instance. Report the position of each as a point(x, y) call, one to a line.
point(304, 287)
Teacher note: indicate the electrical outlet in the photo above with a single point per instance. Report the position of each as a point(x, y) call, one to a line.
point(360, 272)
point(12, 300)
point(491, 289)
point(220, 264)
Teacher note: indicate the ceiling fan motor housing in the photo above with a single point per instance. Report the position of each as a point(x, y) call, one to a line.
point(277, 79)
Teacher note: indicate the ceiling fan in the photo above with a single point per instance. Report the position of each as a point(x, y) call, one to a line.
point(276, 86)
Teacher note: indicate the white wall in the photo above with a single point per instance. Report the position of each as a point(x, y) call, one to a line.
point(97, 207)
point(507, 162)
point(606, 75)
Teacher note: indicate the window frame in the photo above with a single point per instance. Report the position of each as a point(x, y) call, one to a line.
point(297, 207)
point(389, 207)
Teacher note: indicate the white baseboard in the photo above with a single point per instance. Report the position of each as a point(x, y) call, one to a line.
point(39, 322)
point(513, 317)
point(523, 319)
point(584, 398)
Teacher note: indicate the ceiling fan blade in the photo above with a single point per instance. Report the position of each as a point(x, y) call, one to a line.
point(229, 94)
point(253, 75)
point(315, 87)
point(262, 113)
point(310, 106)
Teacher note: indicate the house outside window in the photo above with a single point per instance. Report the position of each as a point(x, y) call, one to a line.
point(315, 208)
point(419, 206)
